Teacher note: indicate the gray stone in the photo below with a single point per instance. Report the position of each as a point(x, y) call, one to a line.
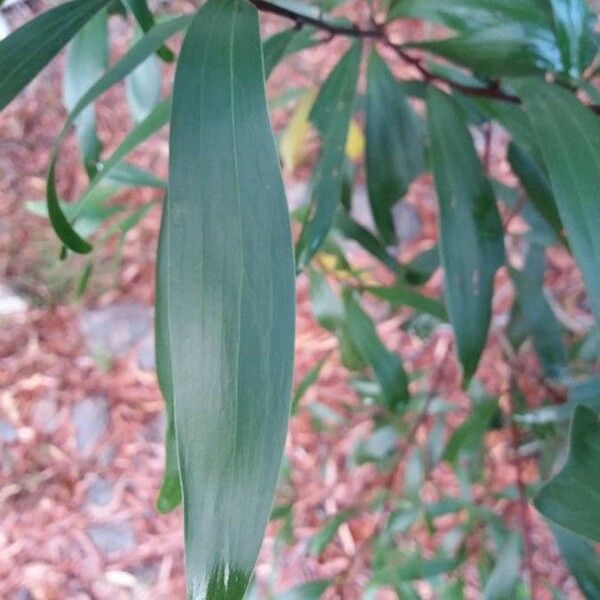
point(44, 415)
point(112, 537)
point(7, 432)
point(146, 358)
point(116, 329)
point(90, 417)
point(10, 302)
point(100, 492)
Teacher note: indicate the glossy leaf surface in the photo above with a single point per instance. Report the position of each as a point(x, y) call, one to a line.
point(471, 246)
point(331, 114)
point(568, 136)
point(394, 156)
point(24, 53)
point(571, 497)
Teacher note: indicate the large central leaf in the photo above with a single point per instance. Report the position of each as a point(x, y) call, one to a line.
point(230, 280)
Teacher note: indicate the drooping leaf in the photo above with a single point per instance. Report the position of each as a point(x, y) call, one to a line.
point(538, 319)
point(574, 23)
point(581, 558)
point(536, 184)
point(507, 571)
point(507, 49)
point(24, 53)
point(284, 43)
point(403, 294)
point(385, 364)
point(305, 384)
point(88, 57)
point(142, 88)
point(354, 231)
point(571, 498)
point(568, 136)
point(586, 393)
point(326, 306)
point(331, 114)
point(394, 156)
point(148, 44)
point(476, 14)
point(145, 18)
point(170, 492)
point(471, 246)
point(230, 297)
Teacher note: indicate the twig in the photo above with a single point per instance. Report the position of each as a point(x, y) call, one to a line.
point(378, 33)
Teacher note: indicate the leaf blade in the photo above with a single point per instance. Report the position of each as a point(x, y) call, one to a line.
point(232, 386)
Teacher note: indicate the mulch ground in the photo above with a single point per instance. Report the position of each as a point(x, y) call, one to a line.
point(46, 549)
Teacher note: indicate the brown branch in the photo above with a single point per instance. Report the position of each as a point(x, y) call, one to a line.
point(377, 32)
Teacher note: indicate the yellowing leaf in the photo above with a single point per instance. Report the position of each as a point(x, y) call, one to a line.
point(355, 143)
point(292, 145)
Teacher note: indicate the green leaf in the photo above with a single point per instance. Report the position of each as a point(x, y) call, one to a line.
point(354, 231)
point(306, 591)
point(581, 558)
point(568, 135)
point(145, 18)
point(536, 184)
point(586, 393)
point(331, 115)
point(538, 319)
point(230, 297)
point(24, 53)
point(170, 492)
point(284, 43)
point(321, 540)
point(571, 498)
point(403, 294)
point(142, 88)
point(129, 174)
point(471, 246)
point(507, 571)
point(394, 148)
point(305, 384)
point(63, 226)
point(326, 306)
point(505, 49)
point(468, 436)
point(574, 24)
point(385, 364)
point(121, 69)
point(476, 14)
point(88, 57)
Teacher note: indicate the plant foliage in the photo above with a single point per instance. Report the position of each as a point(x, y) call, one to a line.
point(226, 262)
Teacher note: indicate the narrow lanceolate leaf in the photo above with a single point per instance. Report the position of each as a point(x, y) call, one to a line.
point(580, 556)
point(533, 311)
point(394, 145)
point(88, 57)
point(230, 297)
point(143, 88)
point(145, 18)
point(385, 364)
point(24, 53)
point(574, 23)
point(568, 136)
point(571, 498)
point(136, 55)
point(471, 245)
point(331, 114)
point(170, 492)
